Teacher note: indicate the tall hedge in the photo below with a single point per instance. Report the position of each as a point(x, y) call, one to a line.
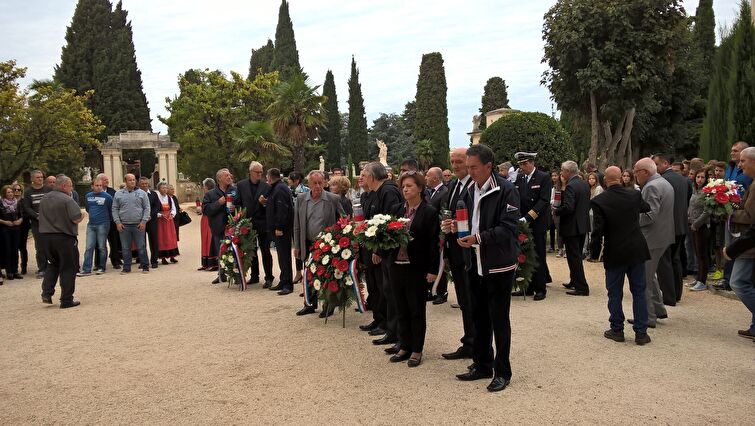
point(530, 132)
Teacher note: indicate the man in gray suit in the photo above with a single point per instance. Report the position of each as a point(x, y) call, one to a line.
point(657, 226)
point(314, 211)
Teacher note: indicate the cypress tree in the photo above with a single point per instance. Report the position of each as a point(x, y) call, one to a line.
point(357, 146)
point(286, 57)
point(704, 36)
point(495, 96)
point(330, 136)
point(262, 60)
point(431, 120)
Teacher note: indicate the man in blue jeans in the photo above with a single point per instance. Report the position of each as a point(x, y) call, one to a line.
point(99, 205)
point(616, 218)
point(130, 214)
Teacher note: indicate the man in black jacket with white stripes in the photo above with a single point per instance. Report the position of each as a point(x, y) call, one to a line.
point(493, 204)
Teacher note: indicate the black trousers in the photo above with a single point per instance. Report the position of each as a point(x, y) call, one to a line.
point(442, 285)
point(491, 302)
point(283, 249)
point(540, 275)
point(464, 298)
point(410, 290)
point(388, 299)
point(62, 253)
point(701, 239)
point(114, 241)
point(373, 277)
point(573, 245)
point(263, 242)
point(667, 275)
point(40, 255)
point(154, 246)
point(9, 236)
point(676, 265)
point(23, 238)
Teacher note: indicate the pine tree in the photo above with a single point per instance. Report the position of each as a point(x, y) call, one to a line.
point(495, 96)
point(286, 57)
point(330, 136)
point(431, 121)
point(357, 146)
point(262, 60)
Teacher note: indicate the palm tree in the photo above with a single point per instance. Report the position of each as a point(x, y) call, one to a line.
point(296, 115)
point(256, 141)
point(423, 151)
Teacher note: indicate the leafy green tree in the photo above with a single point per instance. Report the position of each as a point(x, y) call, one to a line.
point(49, 129)
point(297, 113)
point(261, 61)
point(529, 131)
point(330, 135)
point(208, 118)
point(423, 152)
point(495, 96)
point(285, 57)
point(357, 134)
point(431, 120)
point(607, 60)
point(256, 141)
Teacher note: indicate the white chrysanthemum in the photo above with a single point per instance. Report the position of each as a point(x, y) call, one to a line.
point(327, 238)
point(346, 254)
point(404, 219)
point(228, 241)
point(317, 284)
point(335, 249)
point(325, 259)
point(347, 229)
point(338, 274)
point(373, 222)
point(313, 268)
point(348, 281)
point(371, 231)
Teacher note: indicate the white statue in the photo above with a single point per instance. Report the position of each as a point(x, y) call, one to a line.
point(322, 164)
point(87, 175)
point(383, 154)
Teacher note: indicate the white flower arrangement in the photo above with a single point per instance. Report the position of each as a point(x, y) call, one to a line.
point(347, 229)
point(313, 268)
point(325, 259)
point(338, 274)
point(371, 231)
point(327, 238)
point(335, 249)
point(317, 284)
point(346, 254)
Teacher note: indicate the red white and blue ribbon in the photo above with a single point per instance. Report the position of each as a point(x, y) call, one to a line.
point(238, 256)
point(353, 269)
point(305, 281)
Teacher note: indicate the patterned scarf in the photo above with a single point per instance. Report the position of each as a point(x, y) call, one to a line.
point(10, 205)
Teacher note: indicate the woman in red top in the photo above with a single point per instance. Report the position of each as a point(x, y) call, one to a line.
point(209, 250)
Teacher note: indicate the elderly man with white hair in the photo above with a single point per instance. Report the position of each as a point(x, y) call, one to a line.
point(657, 226)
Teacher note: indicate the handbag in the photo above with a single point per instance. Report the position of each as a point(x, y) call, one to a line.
point(183, 218)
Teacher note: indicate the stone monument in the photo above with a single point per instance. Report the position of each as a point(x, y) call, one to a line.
point(322, 164)
point(383, 153)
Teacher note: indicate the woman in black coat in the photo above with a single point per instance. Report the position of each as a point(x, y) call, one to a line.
point(415, 267)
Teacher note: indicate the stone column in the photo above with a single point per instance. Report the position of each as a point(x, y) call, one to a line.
point(111, 162)
point(168, 165)
point(173, 168)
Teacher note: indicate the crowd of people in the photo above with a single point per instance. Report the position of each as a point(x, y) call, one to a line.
point(647, 224)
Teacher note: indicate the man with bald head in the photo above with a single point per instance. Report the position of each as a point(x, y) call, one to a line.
point(131, 212)
point(437, 196)
point(616, 214)
point(657, 225)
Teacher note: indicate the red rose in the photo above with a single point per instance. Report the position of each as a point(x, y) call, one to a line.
point(344, 242)
point(230, 230)
point(320, 270)
point(235, 239)
point(722, 198)
point(395, 225)
point(521, 258)
point(244, 230)
point(735, 198)
point(333, 286)
point(326, 248)
point(522, 238)
point(309, 276)
point(721, 188)
point(360, 228)
point(317, 255)
point(342, 222)
point(222, 248)
point(318, 243)
point(342, 265)
point(707, 190)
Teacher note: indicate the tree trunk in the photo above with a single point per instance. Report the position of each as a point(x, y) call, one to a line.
point(593, 153)
point(616, 149)
point(625, 149)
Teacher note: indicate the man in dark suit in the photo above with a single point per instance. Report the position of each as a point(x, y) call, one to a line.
point(574, 212)
point(493, 241)
point(534, 187)
point(457, 257)
point(249, 192)
point(437, 196)
point(280, 223)
point(616, 215)
point(671, 281)
point(366, 199)
point(214, 206)
point(113, 239)
point(154, 207)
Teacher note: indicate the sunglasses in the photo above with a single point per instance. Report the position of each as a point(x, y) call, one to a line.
point(16, 189)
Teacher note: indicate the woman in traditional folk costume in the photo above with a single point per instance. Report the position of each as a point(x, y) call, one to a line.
point(209, 251)
point(166, 230)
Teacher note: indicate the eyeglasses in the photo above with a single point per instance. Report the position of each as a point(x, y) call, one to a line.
point(16, 189)
point(409, 173)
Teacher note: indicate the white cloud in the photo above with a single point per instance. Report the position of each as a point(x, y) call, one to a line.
point(478, 40)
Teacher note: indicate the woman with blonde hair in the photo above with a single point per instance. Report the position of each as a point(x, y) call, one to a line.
point(340, 186)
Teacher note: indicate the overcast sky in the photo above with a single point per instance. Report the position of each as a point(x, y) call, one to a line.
point(478, 40)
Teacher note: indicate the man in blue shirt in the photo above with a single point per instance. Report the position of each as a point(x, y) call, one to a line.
point(733, 171)
point(98, 204)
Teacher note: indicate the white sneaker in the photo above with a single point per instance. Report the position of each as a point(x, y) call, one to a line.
point(83, 274)
point(99, 271)
point(698, 287)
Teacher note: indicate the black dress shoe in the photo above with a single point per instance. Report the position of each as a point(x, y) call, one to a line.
point(285, 291)
point(570, 286)
point(47, 300)
point(662, 316)
point(368, 327)
point(163, 261)
point(475, 374)
point(154, 265)
point(267, 284)
point(460, 353)
point(385, 340)
point(631, 321)
point(276, 287)
point(306, 310)
point(393, 349)
point(615, 335)
point(216, 280)
point(71, 304)
point(16, 276)
point(641, 338)
point(414, 362)
point(201, 268)
point(498, 384)
point(539, 296)
point(578, 293)
point(440, 299)
point(402, 357)
point(377, 331)
point(173, 260)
